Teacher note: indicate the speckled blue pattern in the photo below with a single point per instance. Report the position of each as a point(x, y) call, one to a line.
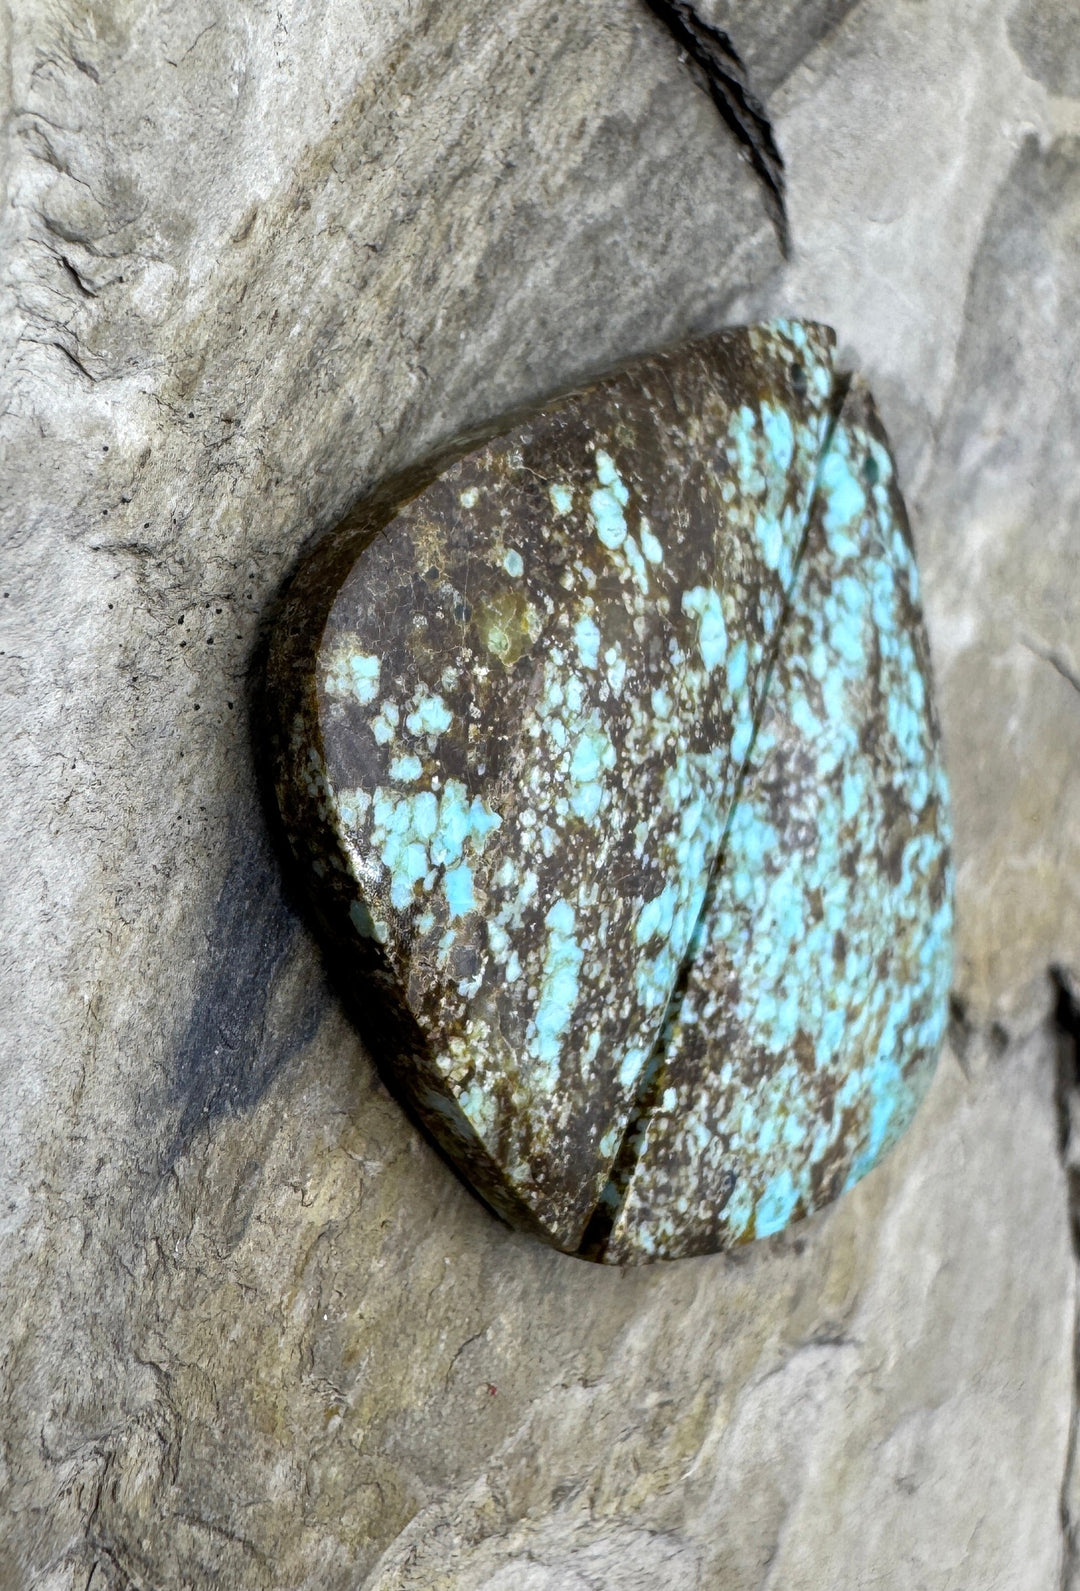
point(615, 768)
point(816, 1002)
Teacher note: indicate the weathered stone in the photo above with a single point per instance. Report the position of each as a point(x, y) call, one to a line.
point(513, 712)
point(1045, 35)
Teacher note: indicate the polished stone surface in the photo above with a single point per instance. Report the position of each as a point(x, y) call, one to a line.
point(513, 714)
point(815, 1004)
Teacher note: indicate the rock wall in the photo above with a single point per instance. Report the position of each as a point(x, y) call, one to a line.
point(252, 1332)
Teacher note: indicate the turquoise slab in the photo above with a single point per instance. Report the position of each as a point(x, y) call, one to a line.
point(513, 703)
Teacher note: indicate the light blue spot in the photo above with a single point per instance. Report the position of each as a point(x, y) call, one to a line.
point(458, 889)
point(353, 806)
point(409, 866)
point(431, 716)
point(742, 432)
point(652, 549)
point(587, 640)
point(776, 1205)
point(593, 753)
point(779, 434)
point(513, 563)
point(562, 499)
point(616, 668)
point(630, 1066)
point(406, 769)
point(482, 821)
point(636, 564)
point(454, 824)
point(587, 800)
point(425, 819)
point(656, 915)
point(384, 725)
point(845, 499)
point(653, 978)
point(608, 476)
point(554, 695)
point(354, 674)
point(737, 668)
point(413, 834)
point(585, 764)
point(770, 539)
point(610, 1142)
point(608, 517)
point(558, 989)
point(712, 632)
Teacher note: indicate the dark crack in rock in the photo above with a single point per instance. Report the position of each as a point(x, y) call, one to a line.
point(719, 68)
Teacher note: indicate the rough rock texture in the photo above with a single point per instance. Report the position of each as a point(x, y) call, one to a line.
point(253, 1333)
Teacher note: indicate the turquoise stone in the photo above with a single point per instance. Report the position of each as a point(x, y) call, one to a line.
point(816, 995)
point(607, 754)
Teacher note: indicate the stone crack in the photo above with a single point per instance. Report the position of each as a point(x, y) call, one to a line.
point(717, 67)
point(1056, 660)
point(1066, 1019)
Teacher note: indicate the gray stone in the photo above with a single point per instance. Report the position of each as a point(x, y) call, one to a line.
point(1045, 36)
